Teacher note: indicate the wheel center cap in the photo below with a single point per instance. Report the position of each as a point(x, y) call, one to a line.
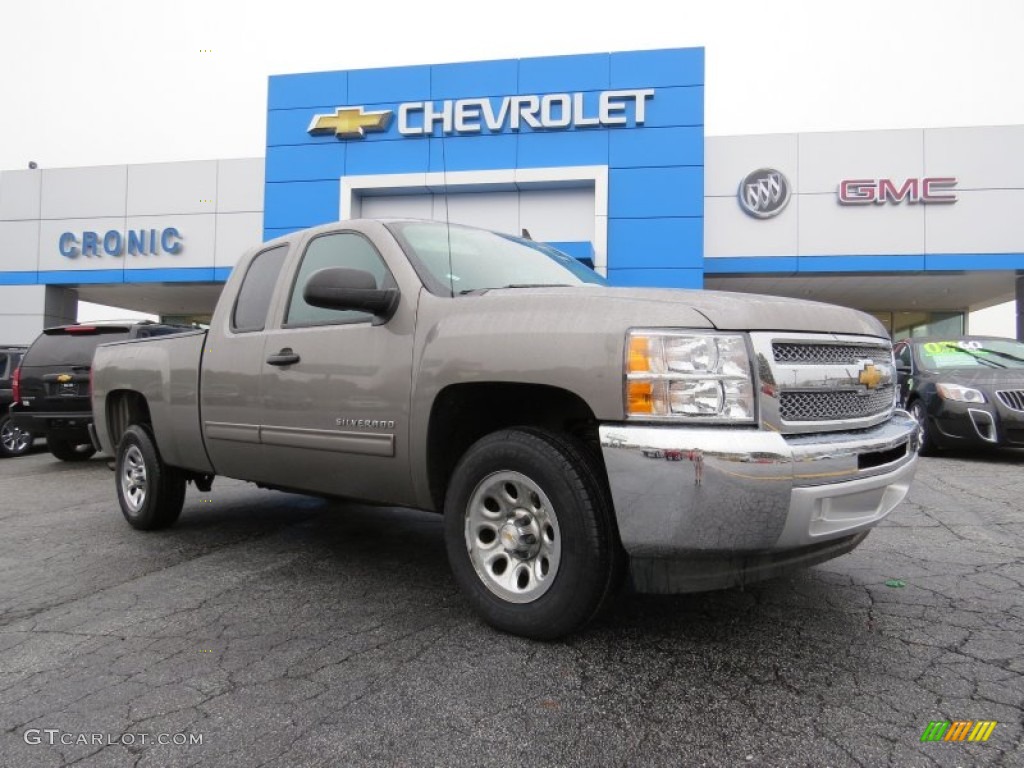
point(510, 537)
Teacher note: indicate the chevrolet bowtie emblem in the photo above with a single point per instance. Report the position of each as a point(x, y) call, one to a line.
point(350, 122)
point(64, 378)
point(870, 377)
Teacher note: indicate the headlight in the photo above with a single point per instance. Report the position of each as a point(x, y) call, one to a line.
point(959, 394)
point(699, 377)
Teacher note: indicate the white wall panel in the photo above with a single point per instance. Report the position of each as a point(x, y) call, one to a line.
point(827, 158)
point(980, 158)
point(827, 228)
point(558, 215)
point(197, 242)
point(240, 184)
point(727, 159)
point(19, 194)
point(81, 193)
point(19, 246)
point(396, 206)
point(978, 222)
point(50, 257)
point(237, 233)
point(160, 188)
point(728, 231)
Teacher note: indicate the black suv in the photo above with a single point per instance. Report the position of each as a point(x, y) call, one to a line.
point(13, 441)
point(52, 387)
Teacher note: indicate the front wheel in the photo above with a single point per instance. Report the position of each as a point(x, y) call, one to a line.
point(151, 494)
point(925, 439)
point(13, 441)
point(530, 533)
point(67, 450)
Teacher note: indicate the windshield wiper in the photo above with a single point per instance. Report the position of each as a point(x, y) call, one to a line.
point(976, 355)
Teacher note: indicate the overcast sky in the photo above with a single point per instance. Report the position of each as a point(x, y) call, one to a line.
point(90, 82)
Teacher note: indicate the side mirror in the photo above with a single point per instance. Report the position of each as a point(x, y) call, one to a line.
point(902, 368)
point(353, 289)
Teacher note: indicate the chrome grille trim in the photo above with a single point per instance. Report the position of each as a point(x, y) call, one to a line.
point(1012, 398)
point(828, 354)
point(832, 405)
point(811, 382)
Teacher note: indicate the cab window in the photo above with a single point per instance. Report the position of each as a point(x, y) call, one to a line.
point(250, 312)
point(341, 249)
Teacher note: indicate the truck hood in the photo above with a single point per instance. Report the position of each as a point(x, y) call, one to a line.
point(725, 310)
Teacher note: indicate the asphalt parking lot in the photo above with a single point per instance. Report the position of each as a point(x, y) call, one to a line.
point(287, 631)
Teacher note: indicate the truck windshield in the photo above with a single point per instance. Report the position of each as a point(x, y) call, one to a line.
point(456, 260)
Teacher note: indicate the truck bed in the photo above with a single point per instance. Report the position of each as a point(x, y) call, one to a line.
point(165, 371)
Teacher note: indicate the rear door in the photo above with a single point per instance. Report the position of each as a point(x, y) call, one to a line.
point(336, 420)
point(231, 366)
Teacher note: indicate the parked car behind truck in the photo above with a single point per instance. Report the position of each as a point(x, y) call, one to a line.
point(13, 441)
point(502, 383)
point(52, 397)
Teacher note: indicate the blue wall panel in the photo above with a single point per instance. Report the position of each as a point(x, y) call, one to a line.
point(473, 153)
point(483, 78)
point(310, 90)
point(300, 203)
point(656, 192)
point(655, 147)
point(659, 278)
point(375, 86)
point(650, 69)
point(656, 243)
point(409, 156)
point(562, 74)
point(312, 162)
point(550, 150)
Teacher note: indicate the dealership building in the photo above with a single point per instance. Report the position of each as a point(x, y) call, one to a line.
point(603, 155)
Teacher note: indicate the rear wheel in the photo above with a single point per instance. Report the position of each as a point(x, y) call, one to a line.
point(927, 442)
point(530, 533)
point(13, 441)
point(67, 450)
point(151, 494)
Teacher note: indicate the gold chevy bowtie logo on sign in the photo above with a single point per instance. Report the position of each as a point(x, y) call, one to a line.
point(350, 122)
point(870, 377)
point(64, 378)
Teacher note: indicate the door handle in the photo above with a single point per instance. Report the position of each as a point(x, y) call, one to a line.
point(285, 357)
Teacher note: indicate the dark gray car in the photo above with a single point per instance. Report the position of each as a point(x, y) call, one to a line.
point(963, 391)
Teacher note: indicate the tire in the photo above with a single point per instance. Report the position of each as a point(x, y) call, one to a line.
point(65, 450)
point(13, 441)
point(151, 494)
point(926, 441)
point(531, 534)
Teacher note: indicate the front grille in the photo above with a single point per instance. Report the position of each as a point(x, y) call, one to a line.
point(832, 405)
point(1012, 399)
point(828, 354)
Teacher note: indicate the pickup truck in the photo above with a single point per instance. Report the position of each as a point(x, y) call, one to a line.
point(503, 384)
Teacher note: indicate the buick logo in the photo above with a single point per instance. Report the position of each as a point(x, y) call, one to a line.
point(764, 193)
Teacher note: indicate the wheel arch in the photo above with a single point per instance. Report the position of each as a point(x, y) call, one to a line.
point(461, 414)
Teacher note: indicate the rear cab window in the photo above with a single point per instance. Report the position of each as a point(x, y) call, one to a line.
point(61, 347)
point(253, 301)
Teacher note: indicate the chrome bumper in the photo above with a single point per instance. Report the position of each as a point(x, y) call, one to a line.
point(688, 493)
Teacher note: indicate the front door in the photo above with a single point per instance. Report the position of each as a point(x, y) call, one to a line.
point(335, 385)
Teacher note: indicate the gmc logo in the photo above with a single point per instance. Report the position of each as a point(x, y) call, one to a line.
point(931, 189)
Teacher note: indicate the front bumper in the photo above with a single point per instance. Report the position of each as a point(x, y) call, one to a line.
point(976, 424)
point(744, 496)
